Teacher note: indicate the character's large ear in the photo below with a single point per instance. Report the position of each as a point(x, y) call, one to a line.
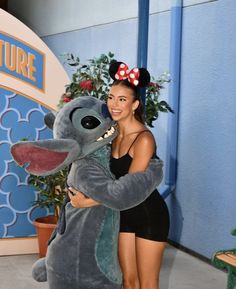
point(49, 119)
point(45, 157)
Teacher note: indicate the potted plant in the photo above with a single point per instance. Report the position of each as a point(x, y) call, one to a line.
point(50, 194)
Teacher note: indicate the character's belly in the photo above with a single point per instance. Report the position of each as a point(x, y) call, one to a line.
point(89, 243)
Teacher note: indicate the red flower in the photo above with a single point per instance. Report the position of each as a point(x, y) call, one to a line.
point(151, 84)
point(156, 85)
point(86, 85)
point(66, 99)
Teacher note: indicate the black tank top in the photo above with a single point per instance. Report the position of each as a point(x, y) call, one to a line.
point(149, 219)
point(120, 166)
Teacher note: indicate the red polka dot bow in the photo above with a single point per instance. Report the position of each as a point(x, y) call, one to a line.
point(124, 73)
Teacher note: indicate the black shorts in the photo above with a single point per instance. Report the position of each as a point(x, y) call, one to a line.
point(148, 220)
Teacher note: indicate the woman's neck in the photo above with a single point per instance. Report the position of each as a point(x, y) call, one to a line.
point(128, 127)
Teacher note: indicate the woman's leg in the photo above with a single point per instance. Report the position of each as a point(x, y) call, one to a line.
point(149, 257)
point(128, 262)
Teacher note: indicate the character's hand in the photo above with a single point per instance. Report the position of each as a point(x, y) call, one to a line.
point(78, 199)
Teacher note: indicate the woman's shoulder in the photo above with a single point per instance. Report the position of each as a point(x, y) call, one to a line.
point(144, 140)
point(145, 134)
point(144, 146)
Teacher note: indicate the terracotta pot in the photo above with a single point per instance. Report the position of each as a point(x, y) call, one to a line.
point(44, 228)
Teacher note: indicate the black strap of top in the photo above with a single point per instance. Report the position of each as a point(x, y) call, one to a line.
point(137, 138)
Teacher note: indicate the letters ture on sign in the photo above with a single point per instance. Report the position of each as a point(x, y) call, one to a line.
point(22, 61)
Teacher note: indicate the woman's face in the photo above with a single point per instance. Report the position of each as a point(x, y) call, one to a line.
point(121, 102)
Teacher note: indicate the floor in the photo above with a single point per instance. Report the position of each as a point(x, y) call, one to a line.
point(179, 271)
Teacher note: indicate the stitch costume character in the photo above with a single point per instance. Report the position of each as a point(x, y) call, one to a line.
point(84, 254)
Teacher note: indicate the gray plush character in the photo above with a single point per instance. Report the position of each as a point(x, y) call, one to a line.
point(83, 255)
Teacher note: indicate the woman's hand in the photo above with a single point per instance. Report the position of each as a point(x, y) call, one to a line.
point(78, 199)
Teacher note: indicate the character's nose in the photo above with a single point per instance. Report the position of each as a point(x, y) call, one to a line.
point(105, 111)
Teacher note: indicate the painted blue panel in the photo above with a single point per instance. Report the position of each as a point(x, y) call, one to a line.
point(5, 150)
point(38, 212)
point(3, 199)
point(21, 195)
point(22, 227)
point(21, 173)
point(2, 103)
point(3, 135)
point(7, 217)
point(19, 118)
point(23, 107)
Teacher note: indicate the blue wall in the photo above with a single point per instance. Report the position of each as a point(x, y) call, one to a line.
point(19, 118)
point(203, 204)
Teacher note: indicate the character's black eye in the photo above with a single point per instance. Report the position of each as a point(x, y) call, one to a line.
point(90, 122)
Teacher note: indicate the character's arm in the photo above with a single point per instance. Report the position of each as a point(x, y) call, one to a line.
point(121, 194)
point(142, 152)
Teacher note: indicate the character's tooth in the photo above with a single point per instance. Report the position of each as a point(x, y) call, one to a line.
point(109, 133)
point(106, 135)
point(100, 138)
point(111, 130)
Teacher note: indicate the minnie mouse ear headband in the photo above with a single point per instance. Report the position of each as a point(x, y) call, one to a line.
point(136, 76)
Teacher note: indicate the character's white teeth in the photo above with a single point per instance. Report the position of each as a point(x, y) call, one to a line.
point(108, 133)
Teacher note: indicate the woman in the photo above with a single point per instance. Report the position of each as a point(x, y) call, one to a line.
point(144, 228)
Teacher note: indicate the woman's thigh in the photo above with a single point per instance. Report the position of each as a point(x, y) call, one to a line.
point(127, 255)
point(149, 256)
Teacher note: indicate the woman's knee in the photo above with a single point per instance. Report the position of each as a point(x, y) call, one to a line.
point(151, 283)
point(131, 282)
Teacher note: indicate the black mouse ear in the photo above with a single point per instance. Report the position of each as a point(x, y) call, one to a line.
point(114, 66)
point(144, 77)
